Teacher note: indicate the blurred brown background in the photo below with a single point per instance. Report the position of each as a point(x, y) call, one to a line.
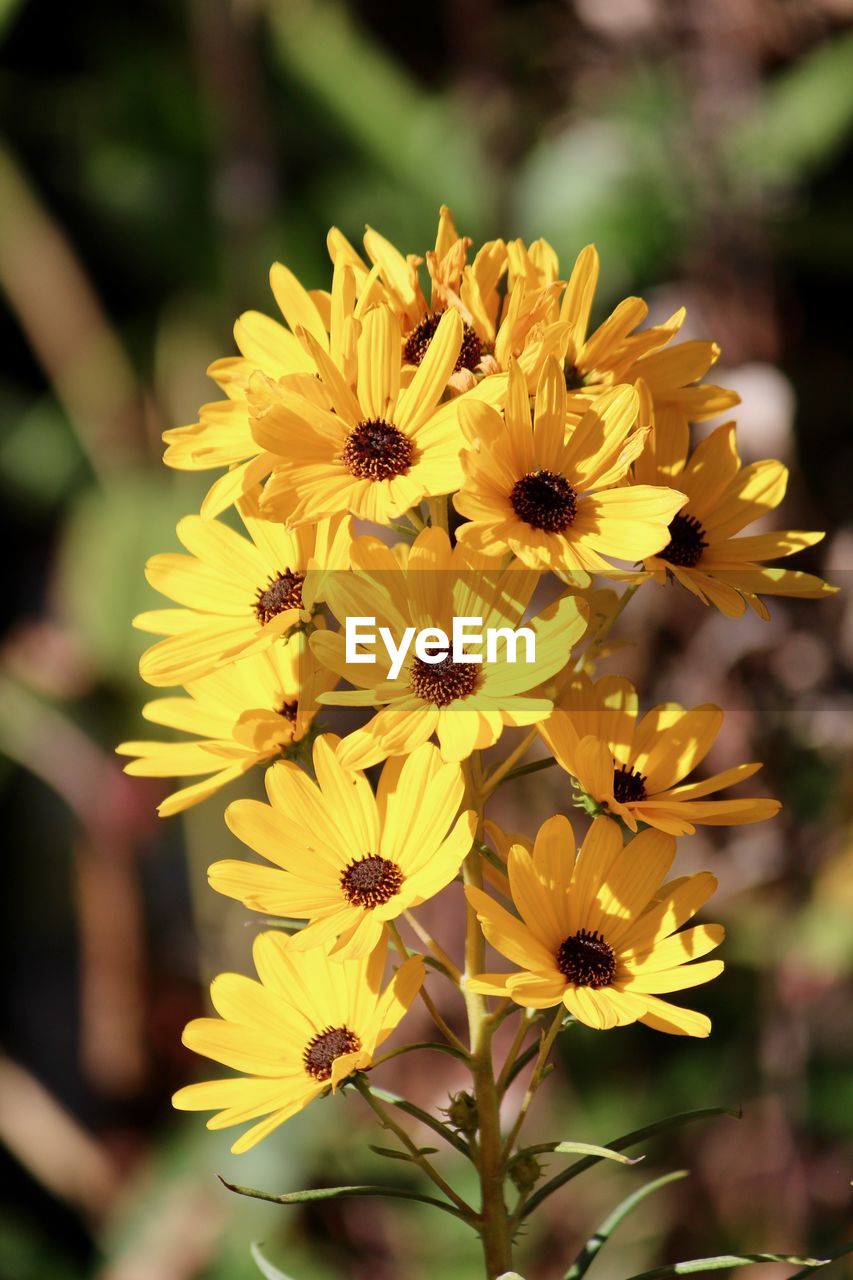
point(154, 159)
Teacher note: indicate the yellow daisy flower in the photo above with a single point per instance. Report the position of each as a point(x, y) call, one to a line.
point(307, 1024)
point(470, 289)
point(222, 437)
point(597, 931)
point(238, 595)
point(345, 860)
point(240, 716)
point(702, 552)
point(543, 488)
point(380, 449)
point(466, 704)
point(634, 769)
point(614, 353)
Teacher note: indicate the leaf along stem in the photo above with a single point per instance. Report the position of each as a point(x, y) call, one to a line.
point(336, 1193)
point(620, 1144)
point(411, 1146)
point(418, 1113)
point(596, 1242)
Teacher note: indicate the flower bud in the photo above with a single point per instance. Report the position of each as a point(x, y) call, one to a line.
point(462, 1112)
point(525, 1172)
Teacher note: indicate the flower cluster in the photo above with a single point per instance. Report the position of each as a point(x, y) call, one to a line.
point(512, 464)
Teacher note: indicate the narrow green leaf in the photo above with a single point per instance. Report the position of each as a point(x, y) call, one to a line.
point(264, 1265)
point(338, 1193)
point(535, 766)
point(601, 1153)
point(436, 1045)
point(830, 1257)
point(596, 1242)
point(490, 856)
point(619, 1144)
point(432, 1122)
point(391, 1154)
point(725, 1262)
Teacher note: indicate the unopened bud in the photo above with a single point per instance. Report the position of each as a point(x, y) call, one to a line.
point(525, 1172)
point(462, 1112)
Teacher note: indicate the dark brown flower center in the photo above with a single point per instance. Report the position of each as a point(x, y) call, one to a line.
point(628, 784)
point(283, 593)
point(586, 960)
point(289, 710)
point(573, 377)
point(369, 882)
point(544, 500)
point(686, 542)
point(328, 1045)
point(377, 450)
point(418, 340)
point(443, 682)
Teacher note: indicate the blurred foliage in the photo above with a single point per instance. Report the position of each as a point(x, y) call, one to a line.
point(153, 162)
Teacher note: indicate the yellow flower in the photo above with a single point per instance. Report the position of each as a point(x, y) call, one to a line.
point(723, 497)
point(544, 489)
point(614, 353)
point(470, 289)
point(304, 1027)
point(240, 716)
point(597, 931)
point(345, 860)
point(467, 704)
point(237, 596)
point(222, 437)
point(635, 768)
point(378, 450)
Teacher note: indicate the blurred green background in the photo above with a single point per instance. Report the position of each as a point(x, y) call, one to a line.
point(154, 159)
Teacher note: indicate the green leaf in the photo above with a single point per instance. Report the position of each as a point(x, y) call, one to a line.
point(601, 1153)
point(619, 1144)
point(418, 1113)
point(435, 1045)
point(725, 1262)
point(391, 1154)
point(265, 1267)
point(535, 766)
point(596, 1242)
point(830, 1257)
point(339, 1193)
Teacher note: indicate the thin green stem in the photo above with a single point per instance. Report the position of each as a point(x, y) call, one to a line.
point(494, 1218)
point(437, 950)
point(388, 1122)
point(495, 778)
point(536, 1078)
point(438, 513)
point(524, 1025)
point(594, 647)
point(535, 766)
point(417, 1045)
point(446, 1031)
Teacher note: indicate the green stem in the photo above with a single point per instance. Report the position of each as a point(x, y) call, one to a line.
point(494, 1219)
point(524, 1025)
point(446, 1031)
point(502, 771)
point(607, 626)
point(536, 1078)
point(438, 951)
point(388, 1122)
point(438, 513)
